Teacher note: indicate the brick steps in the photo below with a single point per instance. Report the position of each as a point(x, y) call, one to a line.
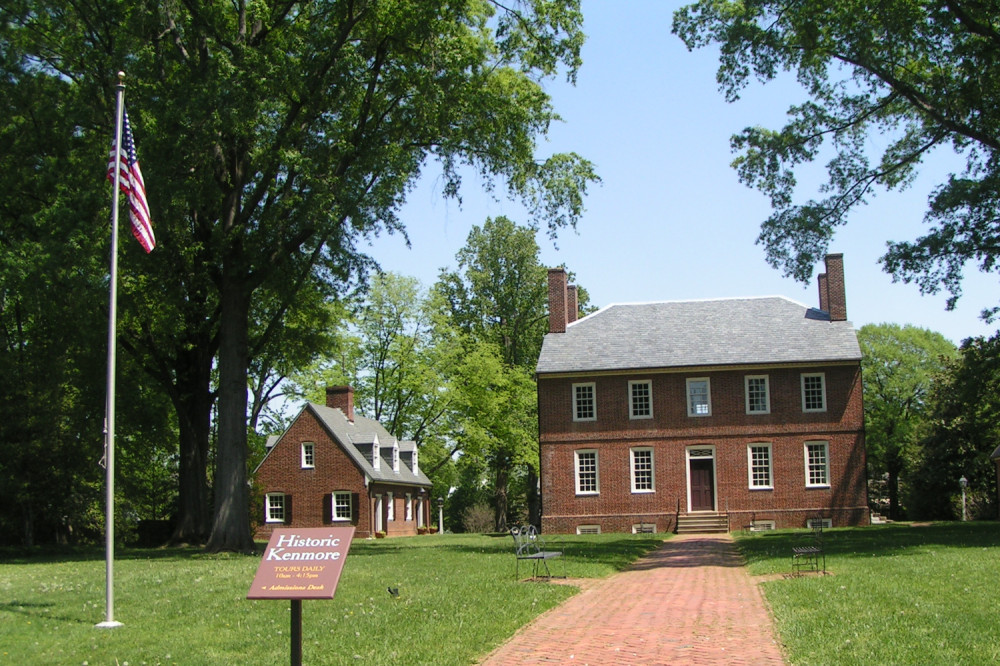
point(702, 523)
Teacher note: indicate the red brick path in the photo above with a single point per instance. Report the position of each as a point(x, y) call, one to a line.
point(689, 602)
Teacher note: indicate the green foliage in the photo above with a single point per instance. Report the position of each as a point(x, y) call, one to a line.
point(900, 365)
point(898, 594)
point(275, 138)
point(458, 599)
point(965, 432)
point(921, 74)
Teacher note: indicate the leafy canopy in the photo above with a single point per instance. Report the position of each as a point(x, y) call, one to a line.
point(923, 74)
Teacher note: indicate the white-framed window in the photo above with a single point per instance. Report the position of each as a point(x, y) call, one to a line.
point(762, 525)
point(640, 399)
point(813, 392)
point(644, 528)
point(390, 508)
point(376, 455)
point(585, 402)
point(759, 465)
point(819, 523)
point(588, 529)
point(308, 455)
point(395, 457)
point(643, 479)
point(414, 466)
point(699, 396)
point(409, 507)
point(817, 459)
point(342, 508)
point(274, 508)
point(588, 480)
point(758, 395)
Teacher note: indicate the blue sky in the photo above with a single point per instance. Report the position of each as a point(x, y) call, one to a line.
point(670, 220)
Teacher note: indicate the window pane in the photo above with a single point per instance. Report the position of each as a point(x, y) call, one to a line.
point(757, 394)
point(698, 397)
point(586, 471)
point(816, 460)
point(342, 506)
point(812, 393)
point(642, 469)
point(583, 402)
point(760, 466)
point(641, 399)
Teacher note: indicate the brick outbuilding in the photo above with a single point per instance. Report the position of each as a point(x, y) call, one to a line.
point(697, 415)
point(333, 467)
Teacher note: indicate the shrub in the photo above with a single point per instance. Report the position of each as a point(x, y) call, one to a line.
point(478, 518)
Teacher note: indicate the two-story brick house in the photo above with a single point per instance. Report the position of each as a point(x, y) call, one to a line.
point(333, 467)
point(742, 410)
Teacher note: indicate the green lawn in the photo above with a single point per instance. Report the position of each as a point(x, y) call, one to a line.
point(898, 594)
point(457, 600)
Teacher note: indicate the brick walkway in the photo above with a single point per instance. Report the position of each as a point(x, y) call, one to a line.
point(689, 602)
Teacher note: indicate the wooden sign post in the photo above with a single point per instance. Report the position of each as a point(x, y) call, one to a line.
point(301, 564)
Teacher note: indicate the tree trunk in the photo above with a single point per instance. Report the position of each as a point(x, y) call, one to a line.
point(231, 525)
point(193, 404)
point(500, 496)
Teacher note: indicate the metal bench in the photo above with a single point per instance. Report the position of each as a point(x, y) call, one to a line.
point(809, 554)
point(529, 545)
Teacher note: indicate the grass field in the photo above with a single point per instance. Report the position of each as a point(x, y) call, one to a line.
point(897, 594)
point(457, 600)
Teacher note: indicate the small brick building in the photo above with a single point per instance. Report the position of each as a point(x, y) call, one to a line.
point(701, 415)
point(332, 467)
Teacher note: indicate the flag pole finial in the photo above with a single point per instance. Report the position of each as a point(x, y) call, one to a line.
point(121, 77)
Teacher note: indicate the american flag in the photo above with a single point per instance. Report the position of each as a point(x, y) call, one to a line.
point(131, 184)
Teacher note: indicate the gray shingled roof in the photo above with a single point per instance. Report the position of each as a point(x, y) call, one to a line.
point(738, 331)
point(362, 433)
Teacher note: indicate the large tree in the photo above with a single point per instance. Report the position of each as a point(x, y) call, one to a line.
point(965, 432)
point(900, 365)
point(279, 135)
point(923, 74)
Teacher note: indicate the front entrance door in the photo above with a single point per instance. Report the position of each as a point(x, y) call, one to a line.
point(702, 491)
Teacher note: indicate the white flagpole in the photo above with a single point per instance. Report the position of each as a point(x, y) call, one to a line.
point(109, 421)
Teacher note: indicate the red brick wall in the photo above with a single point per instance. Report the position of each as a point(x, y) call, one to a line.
point(310, 489)
point(729, 430)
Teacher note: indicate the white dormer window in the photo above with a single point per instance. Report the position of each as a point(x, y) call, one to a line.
point(376, 455)
point(308, 455)
point(395, 457)
point(413, 457)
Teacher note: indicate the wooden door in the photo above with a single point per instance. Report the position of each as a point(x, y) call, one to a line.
point(702, 489)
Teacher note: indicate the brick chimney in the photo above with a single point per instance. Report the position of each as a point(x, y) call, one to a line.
point(342, 398)
point(572, 306)
point(832, 292)
point(557, 300)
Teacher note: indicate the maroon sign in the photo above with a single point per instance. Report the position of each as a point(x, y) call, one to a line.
point(302, 563)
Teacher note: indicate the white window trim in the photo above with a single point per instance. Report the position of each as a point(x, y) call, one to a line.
point(414, 467)
point(770, 465)
point(652, 468)
point(708, 395)
point(802, 381)
point(824, 523)
point(631, 407)
point(597, 472)
point(588, 529)
point(395, 457)
point(311, 447)
point(267, 507)
point(390, 508)
point(644, 528)
point(409, 507)
point(593, 392)
point(767, 393)
point(333, 508)
point(826, 462)
point(376, 455)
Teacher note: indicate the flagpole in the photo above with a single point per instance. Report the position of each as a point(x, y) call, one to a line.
point(109, 420)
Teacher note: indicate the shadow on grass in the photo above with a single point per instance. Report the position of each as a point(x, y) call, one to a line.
point(875, 540)
point(36, 609)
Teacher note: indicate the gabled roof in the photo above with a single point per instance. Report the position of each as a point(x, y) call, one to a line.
point(364, 432)
point(676, 334)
